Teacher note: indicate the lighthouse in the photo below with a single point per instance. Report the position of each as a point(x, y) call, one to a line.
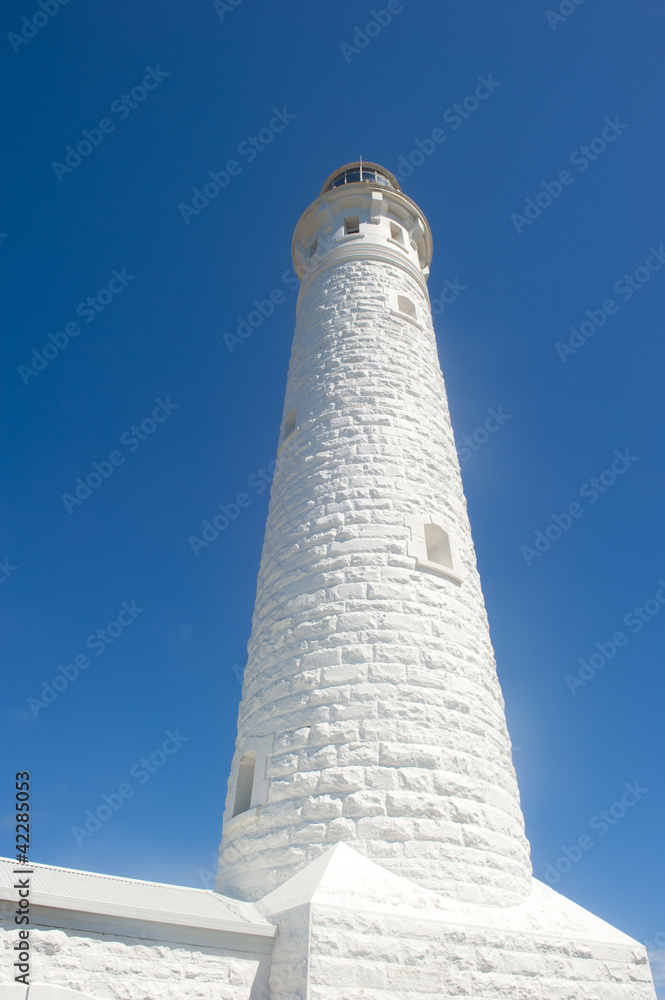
point(373, 842)
point(371, 712)
point(372, 810)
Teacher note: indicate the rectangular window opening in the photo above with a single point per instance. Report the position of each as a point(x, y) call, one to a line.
point(438, 546)
point(245, 783)
point(397, 233)
point(406, 306)
point(352, 225)
point(290, 423)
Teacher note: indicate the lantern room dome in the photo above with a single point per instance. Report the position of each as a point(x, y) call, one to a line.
point(361, 172)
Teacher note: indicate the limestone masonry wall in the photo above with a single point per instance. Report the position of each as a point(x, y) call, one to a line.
point(123, 968)
point(370, 691)
point(370, 955)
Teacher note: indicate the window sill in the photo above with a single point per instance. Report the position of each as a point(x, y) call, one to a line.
point(286, 440)
point(410, 319)
point(439, 569)
point(350, 236)
point(244, 817)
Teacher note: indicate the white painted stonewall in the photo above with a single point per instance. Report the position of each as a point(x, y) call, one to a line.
point(349, 929)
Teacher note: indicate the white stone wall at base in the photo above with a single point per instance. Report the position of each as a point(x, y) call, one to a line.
point(110, 967)
point(378, 958)
point(365, 934)
point(289, 966)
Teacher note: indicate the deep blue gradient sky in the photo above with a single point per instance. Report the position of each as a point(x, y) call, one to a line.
point(162, 337)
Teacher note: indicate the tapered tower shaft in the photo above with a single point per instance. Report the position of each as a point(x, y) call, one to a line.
point(371, 711)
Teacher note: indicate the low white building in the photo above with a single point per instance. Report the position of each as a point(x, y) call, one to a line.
point(373, 844)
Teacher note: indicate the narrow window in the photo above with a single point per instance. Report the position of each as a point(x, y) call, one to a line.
point(396, 233)
point(313, 248)
point(406, 306)
point(352, 224)
point(438, 546)
point(290, 423)
point(244, 784)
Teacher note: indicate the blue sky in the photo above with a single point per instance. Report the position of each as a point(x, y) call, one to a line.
point(150, 353)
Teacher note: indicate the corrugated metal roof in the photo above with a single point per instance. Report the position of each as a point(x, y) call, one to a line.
point(66, 888)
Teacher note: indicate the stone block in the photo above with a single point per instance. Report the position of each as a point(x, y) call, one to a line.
point(365, 803)
point(322, 807)
point(339, 780)
point(342, 674)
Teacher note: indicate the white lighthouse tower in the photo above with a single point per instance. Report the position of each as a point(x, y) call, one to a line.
point(373, 810)
point(371, 712)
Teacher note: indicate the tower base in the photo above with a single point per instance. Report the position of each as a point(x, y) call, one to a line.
point(343, 928)
point(350, 930)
